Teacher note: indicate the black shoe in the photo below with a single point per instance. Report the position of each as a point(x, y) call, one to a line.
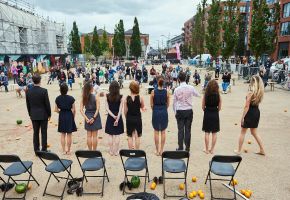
point(6, 186)
point(155, 180)
point(160, 180)
point(178, 149)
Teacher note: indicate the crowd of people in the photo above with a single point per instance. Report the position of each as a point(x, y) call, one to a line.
point(133, 105)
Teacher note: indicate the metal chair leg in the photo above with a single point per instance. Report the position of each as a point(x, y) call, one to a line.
point(5, 191)
point(163, 176)
point(104, 176)
point(44, 192)
point(145, 181)
point(210, 186)
point(65, 183)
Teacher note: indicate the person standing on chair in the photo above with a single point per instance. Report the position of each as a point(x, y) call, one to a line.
point(91, 103)
point(251, 114)
point(39, 110)
point(159, 101)
point(211, 105)
point(182, 106)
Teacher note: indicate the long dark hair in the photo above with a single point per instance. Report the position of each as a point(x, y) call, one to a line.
point(87, 92)
point(212, 88)
point(114, 92)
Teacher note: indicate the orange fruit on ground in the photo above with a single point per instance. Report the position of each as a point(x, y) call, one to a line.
point(29, 186)
point(247, 194)
point(153, 186)
point(249, 142)
point(194, 193)
point(246, 150)
point(48, 145)
point(194, 179)
point(190, 196)
point(181, 186)
point(243, 192)
point(234, 182)
point(199, 192)
point(201, 196)
point(250, 191)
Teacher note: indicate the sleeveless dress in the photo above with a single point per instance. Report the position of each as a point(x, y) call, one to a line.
point(90, 111)
point(133, 118)
point(160, 114)
point(110, 128)
point(211, 120)
point(66, 121)
point(252, 117)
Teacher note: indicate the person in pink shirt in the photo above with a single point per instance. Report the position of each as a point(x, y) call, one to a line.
point(182, 106)
point(14, 72)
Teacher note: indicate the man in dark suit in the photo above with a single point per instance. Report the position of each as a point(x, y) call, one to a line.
point(39, 110)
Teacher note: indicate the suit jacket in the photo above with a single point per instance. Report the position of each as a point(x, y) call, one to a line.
point(38, 104)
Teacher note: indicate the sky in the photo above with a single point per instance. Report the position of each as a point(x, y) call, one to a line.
point(155, 17)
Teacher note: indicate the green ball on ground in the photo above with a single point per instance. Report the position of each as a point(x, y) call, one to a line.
point(20, 188)
point(135, 181)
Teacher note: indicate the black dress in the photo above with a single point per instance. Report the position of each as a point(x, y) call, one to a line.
point(110, 128)
point(252, 117)
point(66, 121)
point(133, 118)
point(160, 114)
point(211, 120)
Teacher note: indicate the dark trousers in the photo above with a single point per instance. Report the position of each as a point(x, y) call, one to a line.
point(184, 121)
point(37, 125)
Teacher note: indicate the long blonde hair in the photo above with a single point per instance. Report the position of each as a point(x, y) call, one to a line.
point(257, 89)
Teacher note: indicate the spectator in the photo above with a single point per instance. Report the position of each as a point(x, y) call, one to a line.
point(4, 81)
point(196, 77)
point(21, 85)
point(226, 81)
point(71, 79)
point(14, 72)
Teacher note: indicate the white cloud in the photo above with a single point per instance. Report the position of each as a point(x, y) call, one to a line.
point(156, 17)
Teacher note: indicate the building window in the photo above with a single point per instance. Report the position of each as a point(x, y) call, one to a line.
point(283, 50)
point(243, 9)
point(286, 10)
point(285, 28)
point(271, 1)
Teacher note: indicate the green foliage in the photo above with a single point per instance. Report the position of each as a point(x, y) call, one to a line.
point(104, 42)
point(230, 25)
point(75, 40)
point(96, 46)
point(263, 38)
point(185, 51)
point(135, 45)
point(87, 45)
point(241, 46)
point(197, 33)
point(213, 31)
point(119, 40)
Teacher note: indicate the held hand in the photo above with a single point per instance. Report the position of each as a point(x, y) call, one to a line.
point(88, 121)
point(144, 109)
point(116, 123)
point(115, 117)
point(92, 121)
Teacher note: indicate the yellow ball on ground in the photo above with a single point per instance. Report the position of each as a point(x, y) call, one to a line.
point(199, 192)
point(29, 186)
point(194, 179)
point(243, 192)
point(194, 193)
point(181, 186)
point(247, 194)
point(190, 196)
point(153, 186)
point(250, 191)
point(234, 182)
point(201, 196)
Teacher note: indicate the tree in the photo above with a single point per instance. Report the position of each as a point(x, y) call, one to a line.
point(230, 25)
point(119, 40)
point(241, 46)
point(96, 46)
point(262, 36)
point(135, 45)
point(87, 45)
point(75, 40)
point(213, 31)
point(197, 41)
point(105, 43)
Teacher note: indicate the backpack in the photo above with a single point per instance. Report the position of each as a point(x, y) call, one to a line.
point(143, 196)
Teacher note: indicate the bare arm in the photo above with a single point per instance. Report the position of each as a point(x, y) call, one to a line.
point(220, 104)
point(174, 102)
point(56, 109)
point(109, 111)
point(152, 99)
point(142, 104)
point(125, 107)
point(120, 110)
point(73, 109)
point(82, 111)
point(168, 99)
point(97, 106)
point(203, 103)
point(247, 106)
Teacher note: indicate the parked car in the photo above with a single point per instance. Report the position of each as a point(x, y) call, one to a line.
point(196, 60)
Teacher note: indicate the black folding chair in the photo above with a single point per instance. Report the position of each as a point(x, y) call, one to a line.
point(223, 166)
point(56, 166)
point(174, 162)
point(94, 161)
point(136, 161)
point(18, 167)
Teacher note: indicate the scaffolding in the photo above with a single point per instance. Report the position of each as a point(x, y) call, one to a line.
point(22, 32)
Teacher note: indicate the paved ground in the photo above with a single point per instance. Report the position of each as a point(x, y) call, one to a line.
point(268, 176)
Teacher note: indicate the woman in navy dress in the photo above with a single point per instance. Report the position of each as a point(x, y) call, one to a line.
point(91, 103)
point(211, 105)
point(159, 103)
point(114, 125)
point(65, 106)
point(251, 113)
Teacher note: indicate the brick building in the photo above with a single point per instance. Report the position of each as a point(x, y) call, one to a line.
point(128, 34)
point(187, 29)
